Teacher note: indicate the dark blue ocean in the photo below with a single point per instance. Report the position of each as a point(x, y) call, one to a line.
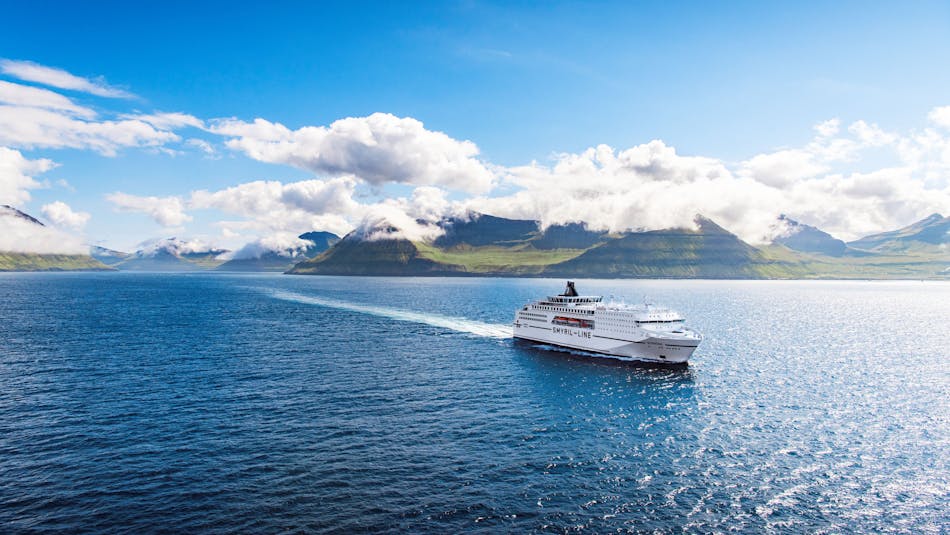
point(222, 403)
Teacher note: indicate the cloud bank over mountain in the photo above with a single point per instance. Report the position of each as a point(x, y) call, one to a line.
point(20, 233)
point(648, 186)
point(385, 175)
point(283, 244)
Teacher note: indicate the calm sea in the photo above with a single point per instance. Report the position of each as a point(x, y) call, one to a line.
point(262, 403)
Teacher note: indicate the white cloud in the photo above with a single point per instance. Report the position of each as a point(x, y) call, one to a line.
point(201, 145)
point(870, 135)
point(378, 149)
point(20, 235)
point(940, 116)
point(24, 95)
point(166, 211)
point(648, 186)
point(783, 167)
point(167, 120)
point(176, 247)
point(29, 127)
point(32, 117)
point(651, 187)
point(293, 207)
point(274, 210)
point(51, 76)
point(16, 176)
point(390, 221)
point(828, 128)
point(848, 179)
point(414, 218)
point(61, 215)
point(283, 244)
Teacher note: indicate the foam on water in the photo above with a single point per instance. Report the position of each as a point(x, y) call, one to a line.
point(489, 330)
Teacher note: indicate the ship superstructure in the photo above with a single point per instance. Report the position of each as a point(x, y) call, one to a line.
point(588, 323)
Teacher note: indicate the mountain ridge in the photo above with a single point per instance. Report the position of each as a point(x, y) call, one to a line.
point(933, 230)
point(808, 239)
point(705, 251)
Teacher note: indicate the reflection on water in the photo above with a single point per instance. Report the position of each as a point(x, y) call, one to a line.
point(247, 403)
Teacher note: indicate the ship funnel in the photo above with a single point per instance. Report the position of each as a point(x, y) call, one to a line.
point(569, 291)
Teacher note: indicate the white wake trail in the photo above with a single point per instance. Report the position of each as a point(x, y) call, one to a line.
point(490, 330)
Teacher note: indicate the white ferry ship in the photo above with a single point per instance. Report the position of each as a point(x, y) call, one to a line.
point(628, 332)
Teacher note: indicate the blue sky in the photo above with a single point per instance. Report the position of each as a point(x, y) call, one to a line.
point(522, 81)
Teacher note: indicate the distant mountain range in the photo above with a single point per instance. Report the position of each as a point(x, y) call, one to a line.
point(931, 234)
point(169, 254)
point(482, 244)
point(19, 261)
point(174, 254)
point(489, 245)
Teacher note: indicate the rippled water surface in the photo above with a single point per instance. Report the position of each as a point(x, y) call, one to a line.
point(260, 403)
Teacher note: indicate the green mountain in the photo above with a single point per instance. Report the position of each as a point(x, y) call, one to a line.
point(481, 229)
point(255, 257)
point(479, 244)
point(356, 256)
point(931, 233)
point(11, 218)
point(13, 261)
point(709, 251)
point(568, 236)
point(488, 245)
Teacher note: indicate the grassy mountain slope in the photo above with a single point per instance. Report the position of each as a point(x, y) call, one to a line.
point(354, 256)
point(931, 234)
point(569, 236)
point(49, 262)
point(862, 266)
point(10, 217)
point(521, 259)
point(707, 252)
point(482, 229)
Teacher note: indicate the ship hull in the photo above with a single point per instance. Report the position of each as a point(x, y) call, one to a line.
point(650, 349)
